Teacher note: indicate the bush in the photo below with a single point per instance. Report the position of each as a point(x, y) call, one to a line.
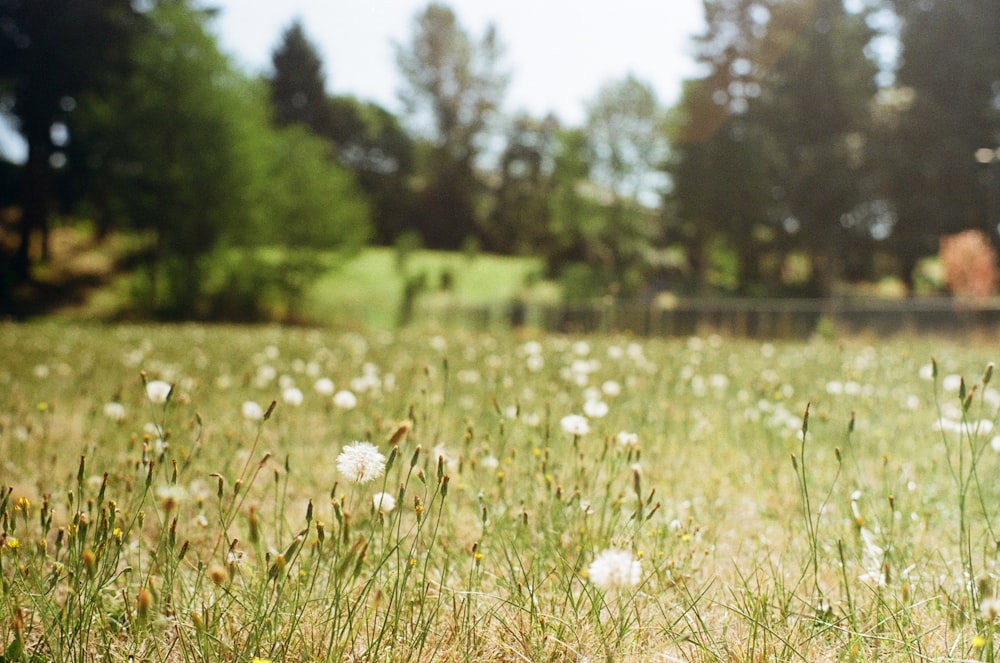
point(970, 264)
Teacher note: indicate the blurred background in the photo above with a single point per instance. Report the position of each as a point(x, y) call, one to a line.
point(362, 162)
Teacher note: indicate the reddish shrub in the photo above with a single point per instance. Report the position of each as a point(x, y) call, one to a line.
point(970, 264)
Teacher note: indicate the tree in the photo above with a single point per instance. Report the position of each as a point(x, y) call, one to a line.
point(519, 220)
point(771, 142)
point(51, 52)
point(215, 181)
point(722, 162)
point(625, 137)
point(298, 83)
point(816, 102)
point(949, 79)
point(625, 129)
point(452, 87)
point(363, 137)
point(370, 141)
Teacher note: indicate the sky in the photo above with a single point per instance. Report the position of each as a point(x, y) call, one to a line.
point(558, 52)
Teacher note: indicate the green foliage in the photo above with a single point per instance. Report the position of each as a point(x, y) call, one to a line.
point(453, 86)
point(51, 52)
point(298, 83)
point(215, 178)
point(770, 143)
point(942, 108)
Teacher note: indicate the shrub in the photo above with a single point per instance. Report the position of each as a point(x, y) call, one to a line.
point(970, 264)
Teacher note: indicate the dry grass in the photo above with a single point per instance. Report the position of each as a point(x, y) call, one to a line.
point(190, 533)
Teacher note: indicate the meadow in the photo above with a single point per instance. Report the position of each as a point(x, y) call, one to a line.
point(190, 493)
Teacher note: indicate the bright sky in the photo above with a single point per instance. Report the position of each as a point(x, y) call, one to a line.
point(559, 52)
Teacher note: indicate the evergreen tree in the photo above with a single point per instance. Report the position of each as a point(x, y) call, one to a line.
point(949, 82)
point(298, 83)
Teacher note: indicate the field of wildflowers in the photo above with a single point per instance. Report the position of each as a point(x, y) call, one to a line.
point(189, 493)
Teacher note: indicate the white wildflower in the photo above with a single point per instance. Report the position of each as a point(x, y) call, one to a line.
point(292, 396)
point(575, 424)
point(252, 411)
point(384, 502)
point(158, 391)
point(615, 569)
point(361, 462)
point(595, 409)
point(345, 400)
point(627, 439)
point(114, 411)
point(324, 387)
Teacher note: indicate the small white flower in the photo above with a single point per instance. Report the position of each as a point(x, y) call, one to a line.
point(595, 409)
point(575, 424)
point(158, 391)
point(324, 387)
point(345, 400)
point(114, 411)
point(627, 439)
point(384, 502)
point(361, 462)
point(252, 411)
point(611, 388)
point(990, 609)
point(951, 382)
point(615, 569)
point(292, 396)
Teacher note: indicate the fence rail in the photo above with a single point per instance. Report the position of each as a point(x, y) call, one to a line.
point(752, 318)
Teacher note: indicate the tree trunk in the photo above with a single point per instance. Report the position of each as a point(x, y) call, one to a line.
point(35, 201)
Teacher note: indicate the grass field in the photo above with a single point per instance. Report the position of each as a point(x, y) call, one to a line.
point(369, 288)
point(524, 498)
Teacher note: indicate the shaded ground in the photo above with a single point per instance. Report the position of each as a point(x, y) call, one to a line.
point(78, 266)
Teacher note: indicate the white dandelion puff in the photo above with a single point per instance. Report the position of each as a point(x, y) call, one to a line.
point(345, 400)
point(615, 569)
point(575, 424)
point(114, 411)
point(252, 411)
point(292, 396)
point(158, 391)
point(384, 502)
point(361, 462)
point(324, 387)
point(627, 439)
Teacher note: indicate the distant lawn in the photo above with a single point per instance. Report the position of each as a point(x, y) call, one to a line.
point(365, 291)
point(369, 288)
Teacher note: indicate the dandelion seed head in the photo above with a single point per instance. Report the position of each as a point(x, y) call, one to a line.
point(361, 462)
point(324, 387)
point(575, 424)
point(114, 411)
point(252, 411)
point(292, 396)
point(345, 400)
point(614, 570)
point(158, 391)
point(990, 609)
point(595, 409)
point(627, 439)
point(384, 502)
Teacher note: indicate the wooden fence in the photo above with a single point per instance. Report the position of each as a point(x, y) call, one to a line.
point(751, 318)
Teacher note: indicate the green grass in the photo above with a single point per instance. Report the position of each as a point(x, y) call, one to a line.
point(185, 531)
point(369, 288)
